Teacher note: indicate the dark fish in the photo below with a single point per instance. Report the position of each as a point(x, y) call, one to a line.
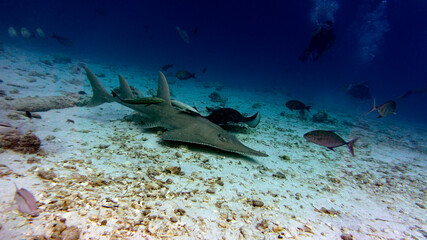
point(70, 121)
point(184, 75)
point(62, 40)
point(224, 116)
point(31, 115)
point(359, 90)
point(166, 67)
point(196, 30)
point(28, 114)
point(329, 139)
point(411, 92)
point(26, 202)
point(145, 100)
point(204, 70)
point(384, 109)
point(297, 105)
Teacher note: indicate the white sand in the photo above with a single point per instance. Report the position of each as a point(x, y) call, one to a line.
point(379, 194)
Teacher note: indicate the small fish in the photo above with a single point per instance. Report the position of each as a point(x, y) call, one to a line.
point(62, 40)
point(224, 116)
point(166, 67)
point(329, 139)
point(297, 105)
point(184, 107)
point(414, 91)
point(145, 100)
point(183, 34)
point(196, 30)
point(204, 70)
point(12, 32)
point(384, 109)
point(40, 33)
point(26, 202)
point(28, 114)
point(184, 75)
point(70, 121)
point(26, 33)
point(31, 115)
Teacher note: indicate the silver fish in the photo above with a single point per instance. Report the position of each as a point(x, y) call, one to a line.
point(184, 107)
point(12, 32)
point(40, 33)
point(26, 202)
point(183, 34)
point(26, 33)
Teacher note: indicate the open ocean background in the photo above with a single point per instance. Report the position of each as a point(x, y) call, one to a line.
point(247, 44)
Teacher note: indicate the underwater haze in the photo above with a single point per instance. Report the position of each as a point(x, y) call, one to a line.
point(198, 119)
point(250, 44)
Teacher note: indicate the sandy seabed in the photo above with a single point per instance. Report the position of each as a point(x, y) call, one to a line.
point(100, 175)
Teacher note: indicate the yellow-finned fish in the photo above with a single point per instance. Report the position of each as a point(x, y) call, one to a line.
point(384, 109)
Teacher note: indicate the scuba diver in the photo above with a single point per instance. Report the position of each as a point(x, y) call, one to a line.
point(321, 41)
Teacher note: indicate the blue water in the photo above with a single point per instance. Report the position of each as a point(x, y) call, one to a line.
point(249, 44)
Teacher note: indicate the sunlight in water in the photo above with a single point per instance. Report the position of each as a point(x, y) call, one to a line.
point(323, 10)
point(371, 34)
